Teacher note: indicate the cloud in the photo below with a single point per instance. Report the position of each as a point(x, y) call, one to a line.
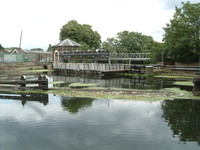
point(41, 20)
point(170, 4)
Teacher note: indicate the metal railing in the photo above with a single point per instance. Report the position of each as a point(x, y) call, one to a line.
point(130, 56)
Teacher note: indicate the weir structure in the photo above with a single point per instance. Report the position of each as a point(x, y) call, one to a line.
point(67, 58)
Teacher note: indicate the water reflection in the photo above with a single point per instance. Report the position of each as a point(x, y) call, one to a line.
point(120, 82)
point(115, 82)
point(183, 117)
point(24, 98)
point(87, 124)
point(109, 81)
point(74, 105)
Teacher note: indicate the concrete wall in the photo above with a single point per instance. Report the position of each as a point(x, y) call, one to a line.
point(11, 67)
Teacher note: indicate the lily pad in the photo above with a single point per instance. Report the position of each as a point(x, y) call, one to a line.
point(82, 85)
point(186, 83)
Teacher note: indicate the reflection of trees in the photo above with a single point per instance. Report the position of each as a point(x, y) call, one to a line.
point(73, 104)
point(183, 117)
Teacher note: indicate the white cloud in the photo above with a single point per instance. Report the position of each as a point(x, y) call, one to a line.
point(41, 20)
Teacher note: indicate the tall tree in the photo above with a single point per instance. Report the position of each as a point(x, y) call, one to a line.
point(49, 48)
point(129, 42)
point(182, 34)
point(1, 47)
point(156, 52)
point(81, 33)
point(111, 44)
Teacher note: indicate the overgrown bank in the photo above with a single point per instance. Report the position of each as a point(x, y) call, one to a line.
point(142, 95)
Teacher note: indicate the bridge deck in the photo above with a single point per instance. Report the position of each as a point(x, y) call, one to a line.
point(102, 68)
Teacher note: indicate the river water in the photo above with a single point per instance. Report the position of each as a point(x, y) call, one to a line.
point(53, 122)
point(49, 122)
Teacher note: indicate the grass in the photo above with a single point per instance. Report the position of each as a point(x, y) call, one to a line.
point(110, 95)
point(170, 76)
point(186, 83)
point(57, 82)
point(40, 70)
point(7, 85)
point(141, 95)
point(183, 94)
point(135, 75)
point(82, 85)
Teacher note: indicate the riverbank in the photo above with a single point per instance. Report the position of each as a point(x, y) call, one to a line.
point(133, 94)
point(125, 94)
point(84, 90)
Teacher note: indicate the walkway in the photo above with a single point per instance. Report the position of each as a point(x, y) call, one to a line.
point(93, 67)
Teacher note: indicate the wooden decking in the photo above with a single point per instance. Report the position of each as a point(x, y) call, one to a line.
point(42, 84)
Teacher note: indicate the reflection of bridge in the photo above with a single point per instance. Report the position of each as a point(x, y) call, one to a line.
point(115, 82)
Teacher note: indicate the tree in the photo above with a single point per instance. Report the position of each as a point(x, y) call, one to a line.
point(81, 33)
point(37, 49)
point(111, 44)
point(156, 52)
point(129, 42)
point(11, 48)
point(1, 47)
point(182, 34)
point(49, 48)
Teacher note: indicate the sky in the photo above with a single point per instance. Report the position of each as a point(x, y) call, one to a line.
point(41, 20)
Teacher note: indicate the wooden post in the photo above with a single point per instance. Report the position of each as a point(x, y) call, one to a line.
point(196, 87)
point(45, 82)
point(22, 83)
point(42, 82)
point(40, 79)
point(149, 70)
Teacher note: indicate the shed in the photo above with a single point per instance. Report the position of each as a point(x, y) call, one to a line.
point(62, 46)
point(66, 45)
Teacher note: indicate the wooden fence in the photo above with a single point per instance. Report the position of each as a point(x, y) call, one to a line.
point(23, 84)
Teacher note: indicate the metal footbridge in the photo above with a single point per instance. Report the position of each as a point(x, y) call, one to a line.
point(130, 56)
point(106, 55)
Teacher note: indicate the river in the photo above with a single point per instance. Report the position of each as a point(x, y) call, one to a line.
point(49, 122)
point(53, 122)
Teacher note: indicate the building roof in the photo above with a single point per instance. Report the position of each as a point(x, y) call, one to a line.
point(20, 51)
point(67, 42)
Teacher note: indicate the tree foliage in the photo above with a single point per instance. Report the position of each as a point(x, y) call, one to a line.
point(81, 33)
point(1, 47)
point(37, 49)
point(156, 51)
point(49, 49)
point(182, 34)
point(11, 48)
point(129, 42)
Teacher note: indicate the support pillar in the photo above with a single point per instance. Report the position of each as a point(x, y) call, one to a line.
point(149, 70)
point(196, 87)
